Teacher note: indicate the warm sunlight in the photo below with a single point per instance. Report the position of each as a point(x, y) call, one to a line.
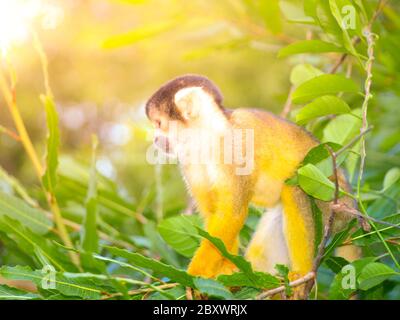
point(18, 16)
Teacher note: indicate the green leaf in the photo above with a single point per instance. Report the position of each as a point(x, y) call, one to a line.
point(158, 245)
point(181, 234)
point(89, 236)
point(17, 187)
point(283, 271)
point(240, 279)
point(303, 72)
point(293, 11)
point(9, 293)
point(246, 293)
point(320, 157)
point(373, 274)
point(337, 290)
point(325, 84)
point(309, 46)
point(212, 288)
point(343, 128)
point(64, 284)
point(176, 293)
point(318, 224)
point(143, 262)
point(336, 263)
point(254, 279)
point(320, 107)
point(238, 261)
point(271, 14)
point(28, 241)
point(140, 33)
point(53, 143)
point(314, 183)
point(336, 7)
point(391, 177)
point(15, 208)
point(310, 7)
point(327, 21)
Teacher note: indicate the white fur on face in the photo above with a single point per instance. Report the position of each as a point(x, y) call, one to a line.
point(199, 106)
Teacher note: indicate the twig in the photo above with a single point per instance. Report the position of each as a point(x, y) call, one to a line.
point(138, 291)
point(309, 276)
point(364, 108)
point(10, 133)
point(353, 141)
point(189, 293)
point(367, 96)
point(288, 103)
point(341, 207)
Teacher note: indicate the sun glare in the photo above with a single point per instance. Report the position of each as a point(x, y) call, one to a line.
point(17, 18)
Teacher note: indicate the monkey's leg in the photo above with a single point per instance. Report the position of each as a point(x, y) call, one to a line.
point(298, 229)
point(227, 266)
point(225, 223)
point(268, 245)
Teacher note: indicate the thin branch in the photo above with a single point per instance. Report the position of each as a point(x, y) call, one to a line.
point(370, 37)
point(368, 83)
point(371, 233)
point(288, 103)
point(189, 293)
point(307, 278)
point(138, 291)
point(10, 133)
point(353, 141)
point(341, 207)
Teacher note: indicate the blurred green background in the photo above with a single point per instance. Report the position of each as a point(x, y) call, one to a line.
point(102, 90)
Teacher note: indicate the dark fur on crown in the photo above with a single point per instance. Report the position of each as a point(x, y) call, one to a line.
point(163, 98)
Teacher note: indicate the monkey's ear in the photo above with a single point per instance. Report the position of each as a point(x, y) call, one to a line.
point(189, 101)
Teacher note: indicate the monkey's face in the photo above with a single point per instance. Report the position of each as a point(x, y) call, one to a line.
point(166, 132)
point(186, 103)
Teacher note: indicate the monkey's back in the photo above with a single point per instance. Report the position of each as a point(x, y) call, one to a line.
point(280, 146)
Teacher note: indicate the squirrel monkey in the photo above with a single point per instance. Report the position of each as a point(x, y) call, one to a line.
point(223, 190)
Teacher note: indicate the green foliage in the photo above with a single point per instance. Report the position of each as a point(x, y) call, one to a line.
point(109, 201)
point(212, 288)
point(141, 261)
point(181, 234)
point(315, 183)
point(309, 46)
point(17, 209)
point(320, 107)
point(53, 143)
point(325, 84)
point(9, 293)
point(374, 274)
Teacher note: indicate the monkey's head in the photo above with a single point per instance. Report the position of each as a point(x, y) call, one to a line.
point(186, 102)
